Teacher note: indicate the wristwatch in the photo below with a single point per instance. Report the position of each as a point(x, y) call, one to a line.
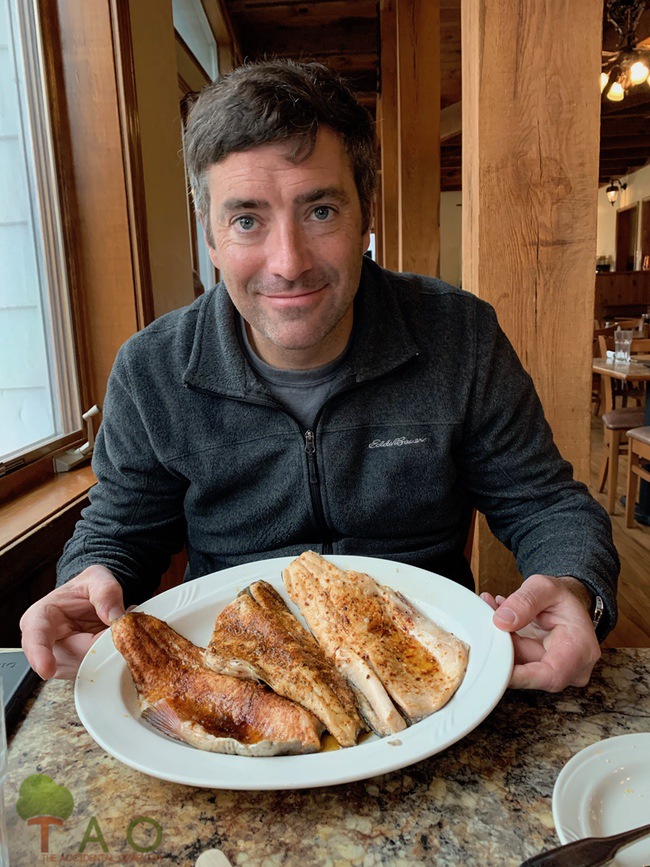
point(597, 611)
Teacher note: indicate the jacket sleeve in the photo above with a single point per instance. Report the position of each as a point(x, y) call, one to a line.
point(135, 519)
point(519, 481)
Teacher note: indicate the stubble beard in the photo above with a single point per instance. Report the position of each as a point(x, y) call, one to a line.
point(272, 326)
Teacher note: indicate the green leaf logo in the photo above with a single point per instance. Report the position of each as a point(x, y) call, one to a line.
point(40, 796)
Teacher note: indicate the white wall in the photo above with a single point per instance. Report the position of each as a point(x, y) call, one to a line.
point(450, 237)
point(638, 188)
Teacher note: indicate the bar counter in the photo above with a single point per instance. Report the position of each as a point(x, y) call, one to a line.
point(485, 800)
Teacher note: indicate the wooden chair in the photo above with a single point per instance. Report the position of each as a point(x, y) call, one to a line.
point(616, 423)
point(596, 379)
point(639, 455)
point(635, 323)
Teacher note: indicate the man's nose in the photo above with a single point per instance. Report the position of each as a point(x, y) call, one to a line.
point(289, 253)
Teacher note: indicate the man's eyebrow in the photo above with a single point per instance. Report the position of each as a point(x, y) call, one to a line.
point(335, 193)
point(244, 205)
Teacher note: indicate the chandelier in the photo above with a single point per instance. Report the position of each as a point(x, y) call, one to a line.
point(629, 66)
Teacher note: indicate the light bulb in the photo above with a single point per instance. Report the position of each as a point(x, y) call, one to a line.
point(604, 78)
point(616, 92)
point(638, 72)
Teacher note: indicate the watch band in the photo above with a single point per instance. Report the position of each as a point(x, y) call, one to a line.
point(597, 613)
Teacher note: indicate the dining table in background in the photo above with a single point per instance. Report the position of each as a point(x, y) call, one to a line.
point(637, 370)
point(485, 800)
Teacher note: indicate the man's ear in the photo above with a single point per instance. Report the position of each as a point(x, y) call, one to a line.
point(208, 240)
point(365, 240)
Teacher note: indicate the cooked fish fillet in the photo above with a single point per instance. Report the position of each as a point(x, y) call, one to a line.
point(389, 651)
point(186, 700)
point(257, 636)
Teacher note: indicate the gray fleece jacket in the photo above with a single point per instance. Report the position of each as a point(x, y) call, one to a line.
point(433, 416)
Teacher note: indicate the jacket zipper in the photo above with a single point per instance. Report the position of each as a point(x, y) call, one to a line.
point(315, 491)
point(310, 451)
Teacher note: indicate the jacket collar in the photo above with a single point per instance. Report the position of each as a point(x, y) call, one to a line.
point(381, 340)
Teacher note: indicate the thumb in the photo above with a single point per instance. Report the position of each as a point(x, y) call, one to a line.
point(520, 608)
point(107, 597)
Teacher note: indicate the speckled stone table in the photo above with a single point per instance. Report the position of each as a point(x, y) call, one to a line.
point(485, 800)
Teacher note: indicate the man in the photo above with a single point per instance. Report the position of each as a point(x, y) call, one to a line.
point(314, 400)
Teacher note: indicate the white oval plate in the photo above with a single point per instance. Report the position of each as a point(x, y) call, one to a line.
point(605, 789)
point(107, 704)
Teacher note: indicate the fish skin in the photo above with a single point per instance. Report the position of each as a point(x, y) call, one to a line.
point(361, 623)
point(256, 633)
point(214, 712)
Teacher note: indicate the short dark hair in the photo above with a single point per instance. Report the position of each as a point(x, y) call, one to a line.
point(277, 101)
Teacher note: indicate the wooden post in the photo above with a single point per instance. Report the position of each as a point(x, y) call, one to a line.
point(389, 133)
point(418, 69)
point(530, 177)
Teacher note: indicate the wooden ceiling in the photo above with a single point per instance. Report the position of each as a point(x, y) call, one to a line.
point(344, 35)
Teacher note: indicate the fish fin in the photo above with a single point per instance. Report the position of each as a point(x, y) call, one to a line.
point(164, 719)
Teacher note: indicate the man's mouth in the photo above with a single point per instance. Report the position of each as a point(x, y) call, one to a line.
point(295, 298)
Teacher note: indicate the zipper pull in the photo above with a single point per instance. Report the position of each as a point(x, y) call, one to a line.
point(310, 449)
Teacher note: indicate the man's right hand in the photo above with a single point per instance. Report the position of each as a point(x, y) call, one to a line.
point(59, 629)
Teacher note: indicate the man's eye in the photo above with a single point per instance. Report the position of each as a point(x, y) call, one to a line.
point(245, 223)
point(322, 212)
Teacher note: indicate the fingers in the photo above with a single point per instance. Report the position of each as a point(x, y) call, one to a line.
point(538, 593)
point(78, 608)
point(39, 626)
point(70, 652)
point(554, 640)
point(491, 601)
point(554, 671)
point(542, 595)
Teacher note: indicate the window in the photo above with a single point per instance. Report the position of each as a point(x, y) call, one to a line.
point(39, 403)
point(192, 26)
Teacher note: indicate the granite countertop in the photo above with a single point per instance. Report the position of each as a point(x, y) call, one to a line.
point(485, 800)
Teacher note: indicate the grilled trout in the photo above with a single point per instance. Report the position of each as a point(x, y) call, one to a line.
point(256, 636)
point(187, 701)
point(401, 666)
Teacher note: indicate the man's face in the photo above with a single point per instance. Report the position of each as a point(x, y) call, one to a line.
point(289, 245)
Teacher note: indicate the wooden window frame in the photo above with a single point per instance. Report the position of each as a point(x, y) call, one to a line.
point(63, 30)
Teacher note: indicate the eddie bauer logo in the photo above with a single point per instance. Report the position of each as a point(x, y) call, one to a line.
point(43, 802)
point(398, 441)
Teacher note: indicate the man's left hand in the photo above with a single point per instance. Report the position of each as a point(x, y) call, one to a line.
point(554, 638)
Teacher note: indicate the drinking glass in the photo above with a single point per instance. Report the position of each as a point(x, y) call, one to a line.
point(622, 343)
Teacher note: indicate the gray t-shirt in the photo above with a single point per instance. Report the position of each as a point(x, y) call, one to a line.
point(301, 392)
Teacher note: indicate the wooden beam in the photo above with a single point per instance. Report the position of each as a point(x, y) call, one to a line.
point(418, 68)
point(529, 207)
point(293, 38)
point(308, 13)
point(107, 305)
point(389, 135)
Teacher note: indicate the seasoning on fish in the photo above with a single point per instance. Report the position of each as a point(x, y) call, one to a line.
point(185, 700)
point(256, 636)
point(393, 656)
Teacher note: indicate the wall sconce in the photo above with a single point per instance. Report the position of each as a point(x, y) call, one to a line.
point(613, 189)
